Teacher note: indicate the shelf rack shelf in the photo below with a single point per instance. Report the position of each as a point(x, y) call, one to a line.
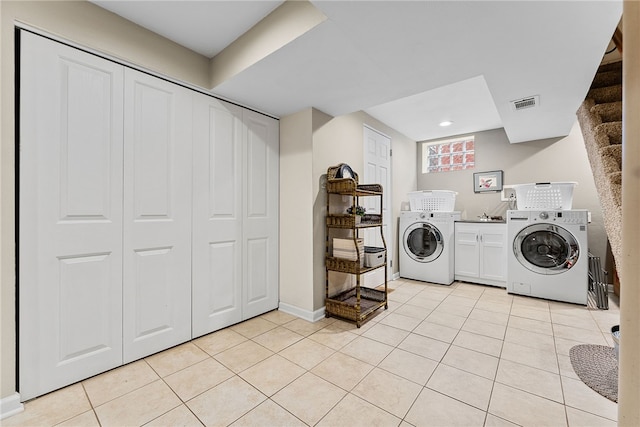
point(359, 302)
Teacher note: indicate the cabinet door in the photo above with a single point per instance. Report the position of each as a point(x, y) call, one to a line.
point(493, 257)
point(157, 215)
point(217, 215)
point(260, 214)
point(70, 201)
point(467, 250)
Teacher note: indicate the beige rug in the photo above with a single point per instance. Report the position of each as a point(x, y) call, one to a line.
point(597, 367)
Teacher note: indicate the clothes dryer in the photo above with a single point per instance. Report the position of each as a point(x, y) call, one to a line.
point(427, 246)
point(548, 254)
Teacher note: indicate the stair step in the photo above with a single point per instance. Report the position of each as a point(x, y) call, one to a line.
point(613, 151)
point(607, 78)
point(611, 66)
point(609, 111)
point(611, 158)
point(615, 177)
point(612, 130)
point(607, 94)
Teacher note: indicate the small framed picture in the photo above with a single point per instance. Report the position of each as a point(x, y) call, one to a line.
point(487, 181)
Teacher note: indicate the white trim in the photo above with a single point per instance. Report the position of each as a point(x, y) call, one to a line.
point(395, 276)
point(310, 316)
point(10, 406)
point(377, 131)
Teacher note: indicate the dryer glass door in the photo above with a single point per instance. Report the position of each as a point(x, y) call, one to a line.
point(423, 242)
point(546, 249)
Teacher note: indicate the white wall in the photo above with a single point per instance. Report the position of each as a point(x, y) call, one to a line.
point(296, 211)
point(558, 159)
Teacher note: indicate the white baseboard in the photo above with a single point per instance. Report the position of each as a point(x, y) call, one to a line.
point(10, 405)
point(310, 316)
point(395, 276)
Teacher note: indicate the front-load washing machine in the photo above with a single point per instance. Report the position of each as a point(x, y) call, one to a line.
point(548, 257)
point(426, 246)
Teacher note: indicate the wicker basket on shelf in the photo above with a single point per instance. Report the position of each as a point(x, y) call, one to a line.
point(350, 221)
point(337, 183)
point(344, 265)
point(375, 188)
point(342, 185)
point(346, 220)
point(343, 304)
point(371, 219)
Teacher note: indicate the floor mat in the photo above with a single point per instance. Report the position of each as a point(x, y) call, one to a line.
point(597, 367)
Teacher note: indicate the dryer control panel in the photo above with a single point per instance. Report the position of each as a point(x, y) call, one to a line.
point(578, 216)
point(562, 217)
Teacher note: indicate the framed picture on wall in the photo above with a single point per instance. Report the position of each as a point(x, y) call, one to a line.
point(487, 181)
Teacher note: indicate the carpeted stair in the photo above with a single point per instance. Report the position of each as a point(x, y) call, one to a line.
point(600, 118)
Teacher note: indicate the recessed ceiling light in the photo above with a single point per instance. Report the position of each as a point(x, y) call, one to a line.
point(446, 123)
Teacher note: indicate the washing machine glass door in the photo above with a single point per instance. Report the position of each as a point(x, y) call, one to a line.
point(546, 248)
point(423, 242)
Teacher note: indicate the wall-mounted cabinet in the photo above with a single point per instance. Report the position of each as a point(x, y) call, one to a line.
point(480, 253)
point(148, 215)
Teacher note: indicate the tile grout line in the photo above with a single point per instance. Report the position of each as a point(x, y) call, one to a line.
point(551, 309)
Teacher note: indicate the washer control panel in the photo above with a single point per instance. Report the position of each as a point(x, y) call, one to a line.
point(563, 217)
point(578, 216)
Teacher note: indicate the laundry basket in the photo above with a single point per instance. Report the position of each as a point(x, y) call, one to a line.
point(544, 195)
point(432, 200)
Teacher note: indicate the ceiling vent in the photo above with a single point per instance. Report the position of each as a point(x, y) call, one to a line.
point(524, 103)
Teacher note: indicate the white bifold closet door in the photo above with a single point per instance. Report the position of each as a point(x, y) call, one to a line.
point(260, 213)
point(217, 215)
point(70, 226)
point(235, 214)
point(113, 248)
point(157, 215)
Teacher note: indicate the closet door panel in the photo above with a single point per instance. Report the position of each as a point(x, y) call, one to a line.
point(157, 215)
point(217, 215)
point(70, 219)
point(260, 284)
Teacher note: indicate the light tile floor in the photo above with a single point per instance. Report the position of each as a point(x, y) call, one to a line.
point(459, 355)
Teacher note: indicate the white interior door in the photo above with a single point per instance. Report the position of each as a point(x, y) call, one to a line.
point(157, 214)
point(217, 215)
point(70, 221)
point(377, 170)
point(260, 222)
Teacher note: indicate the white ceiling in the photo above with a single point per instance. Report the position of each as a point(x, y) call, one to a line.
point(410, 64)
